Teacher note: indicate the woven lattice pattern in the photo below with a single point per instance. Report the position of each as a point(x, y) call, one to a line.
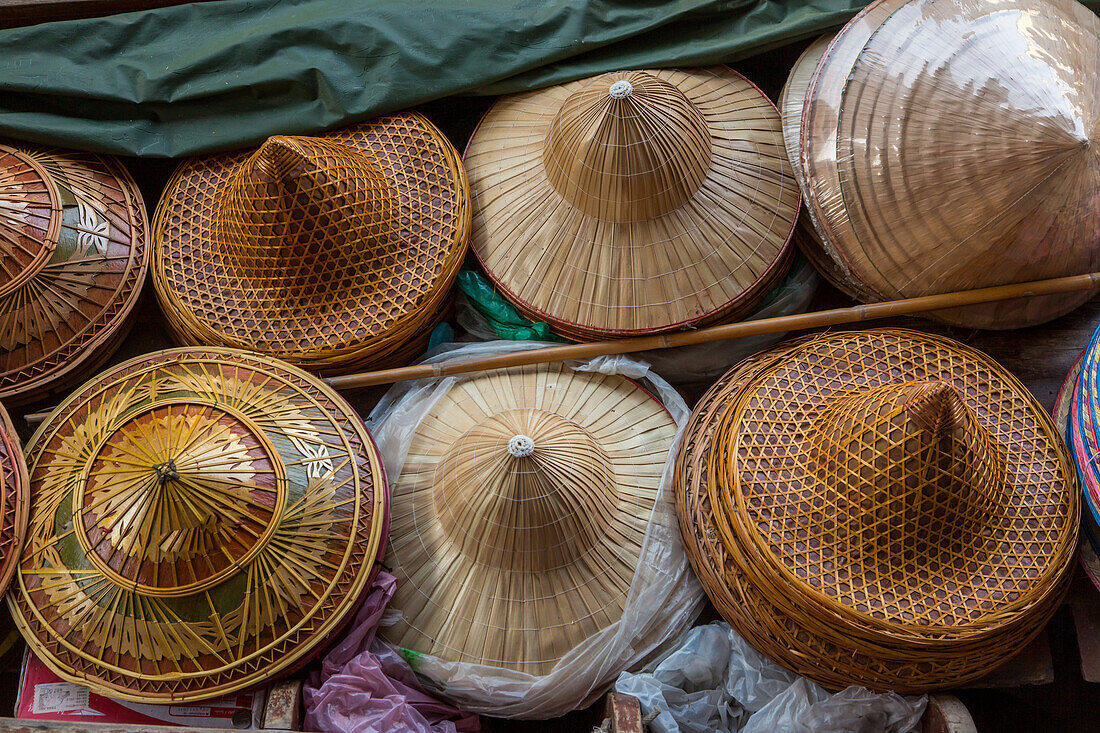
point(985, 168)
point(201, 521)
point(334, 253)
point(519, 514)
point(72, 261)
point(633, 202)
point(884, 508)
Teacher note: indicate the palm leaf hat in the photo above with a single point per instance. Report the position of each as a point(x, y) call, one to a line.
point(633, 202)
point(953, 145)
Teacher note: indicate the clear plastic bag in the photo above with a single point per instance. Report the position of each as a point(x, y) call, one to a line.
point(712, 680)
point(664, 597)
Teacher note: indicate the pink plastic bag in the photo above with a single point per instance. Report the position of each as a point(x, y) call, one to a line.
point(366, 687)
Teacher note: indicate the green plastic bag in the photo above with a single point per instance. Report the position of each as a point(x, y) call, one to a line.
point(505, 320)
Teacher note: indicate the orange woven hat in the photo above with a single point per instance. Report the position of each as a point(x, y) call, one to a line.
point(884, 508)
point(633, 202)
point(73, 257)
point(334, 252)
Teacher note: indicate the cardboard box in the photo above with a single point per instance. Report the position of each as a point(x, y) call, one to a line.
point(45, 696)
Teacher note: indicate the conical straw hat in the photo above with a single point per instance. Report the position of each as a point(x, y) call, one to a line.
point(954, 145)
point(202, 520)
point(884, 508)
point(334, 252)
point(633, 202)
point(519, 515)
point(73, 257)
point(1090, 527)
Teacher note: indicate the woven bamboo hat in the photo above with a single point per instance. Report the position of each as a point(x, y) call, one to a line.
point(334, 252)
point(1090, 526)
point(884, 508)
point(73, 257)
point(519, 515)
point(954, 145)
point(633, 202)
point(202, 520)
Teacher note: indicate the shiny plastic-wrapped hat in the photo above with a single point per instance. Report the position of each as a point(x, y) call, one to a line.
point(948, 146)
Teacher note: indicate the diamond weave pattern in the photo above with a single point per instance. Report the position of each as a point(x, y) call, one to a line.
point(883, 508)
point(334, 253)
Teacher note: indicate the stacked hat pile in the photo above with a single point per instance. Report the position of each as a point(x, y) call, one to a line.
point(884, 508)
point(201, 521)
point(633, 202)
point(946, 146)
point(1077, 415)
point(73, 257)
point(334, 253)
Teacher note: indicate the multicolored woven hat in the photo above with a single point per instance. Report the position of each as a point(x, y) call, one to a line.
point(14, 498)
point(633, 202)
point(948, 146)
point(1076, 409)
point(334, 253)
point(202, 520)
point(519, 514)
point(73, 257)
point(885, 508)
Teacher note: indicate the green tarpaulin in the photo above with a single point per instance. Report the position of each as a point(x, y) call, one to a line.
point(216, 75)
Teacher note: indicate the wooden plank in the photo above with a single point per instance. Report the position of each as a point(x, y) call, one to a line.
point(947, 714)
point(283, 707)
point(1084, 603)
point(624, 713)
point(1032, 666)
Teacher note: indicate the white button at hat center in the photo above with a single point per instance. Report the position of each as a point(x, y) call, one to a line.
point(621, 89)
point(521, 446)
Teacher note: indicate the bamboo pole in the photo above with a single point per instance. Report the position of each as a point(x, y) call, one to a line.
point(801, 321)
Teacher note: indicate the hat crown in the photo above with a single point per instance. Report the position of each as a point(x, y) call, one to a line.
point(307, 217)
point(30, 218)
point(627, 147)
point(914, 472)
point(525, 489)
